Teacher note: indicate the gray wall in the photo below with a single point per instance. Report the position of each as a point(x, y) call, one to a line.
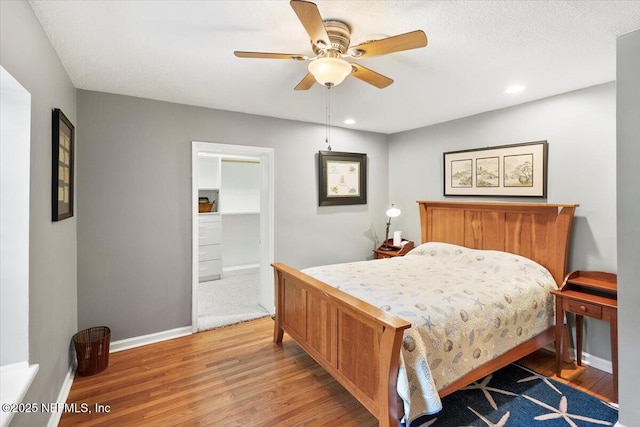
point(628, 173)
point(25, 51)
point(580, 129)
point(134, 198)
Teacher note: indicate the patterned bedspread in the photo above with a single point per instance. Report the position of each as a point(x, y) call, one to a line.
point(465, 306)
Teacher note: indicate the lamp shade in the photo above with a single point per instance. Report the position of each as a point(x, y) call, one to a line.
point(393, 212)
point(329, 71)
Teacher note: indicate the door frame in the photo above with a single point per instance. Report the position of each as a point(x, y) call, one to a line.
point(266, 157)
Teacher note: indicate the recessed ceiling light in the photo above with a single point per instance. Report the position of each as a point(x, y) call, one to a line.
point(349, 122)
point(514, 89)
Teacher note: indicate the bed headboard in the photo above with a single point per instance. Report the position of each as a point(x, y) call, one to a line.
point(538, 231)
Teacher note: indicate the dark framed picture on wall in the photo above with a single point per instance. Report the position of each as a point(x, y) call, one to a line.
point(342, 178)
point(517, 170)
point(63, 141)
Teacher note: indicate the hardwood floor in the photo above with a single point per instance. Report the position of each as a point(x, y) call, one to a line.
point(236, 376)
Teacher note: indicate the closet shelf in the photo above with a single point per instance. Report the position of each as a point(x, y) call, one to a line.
point(241, 213)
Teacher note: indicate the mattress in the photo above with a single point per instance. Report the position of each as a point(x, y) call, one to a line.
point(466, 307)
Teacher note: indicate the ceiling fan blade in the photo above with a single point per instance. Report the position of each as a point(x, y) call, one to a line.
point(306, 83)
point(269, 55)
point(312, 22)
point(370, 76)
point(406, 41)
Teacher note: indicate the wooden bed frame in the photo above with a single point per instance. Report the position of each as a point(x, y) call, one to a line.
point(359, 344)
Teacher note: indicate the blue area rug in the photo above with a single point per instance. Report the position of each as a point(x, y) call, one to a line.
point(517, 396)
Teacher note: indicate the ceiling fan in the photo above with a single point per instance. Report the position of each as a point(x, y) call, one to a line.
point(330, 41)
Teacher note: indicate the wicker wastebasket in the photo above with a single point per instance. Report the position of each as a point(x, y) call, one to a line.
point(92, 350)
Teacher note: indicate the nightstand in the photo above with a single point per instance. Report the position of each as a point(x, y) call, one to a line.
point(593, 294)
point(393, 251)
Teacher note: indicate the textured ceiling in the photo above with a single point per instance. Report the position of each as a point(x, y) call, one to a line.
point(182, 51)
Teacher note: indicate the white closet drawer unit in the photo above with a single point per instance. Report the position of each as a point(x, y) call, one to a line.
point(210, 237)
point(209, 230)
point(209, 252)
point(210, 270)
point(209, 225)
point(209, 248)
point(208, 218)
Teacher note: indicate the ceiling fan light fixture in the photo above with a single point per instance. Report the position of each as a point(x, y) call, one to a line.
point(329, 71)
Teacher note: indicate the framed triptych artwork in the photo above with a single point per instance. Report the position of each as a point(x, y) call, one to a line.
point(518, 170)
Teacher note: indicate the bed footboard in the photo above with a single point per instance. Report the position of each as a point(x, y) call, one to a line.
point(357, 343)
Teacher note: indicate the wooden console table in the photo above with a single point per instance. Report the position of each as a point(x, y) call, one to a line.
point(593, 294)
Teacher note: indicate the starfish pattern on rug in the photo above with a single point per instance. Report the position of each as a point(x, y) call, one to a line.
point(520, 397)
point(561, 412)
point(501, 423)
point(538, 376)
point(429, 423)
point(485, 389)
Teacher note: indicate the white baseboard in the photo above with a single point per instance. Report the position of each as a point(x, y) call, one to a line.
point(588, 359)
point(54, 419)
point(239, 270)
point(134, 342)
point(597, 362)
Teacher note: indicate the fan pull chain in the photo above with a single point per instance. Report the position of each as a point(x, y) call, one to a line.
point(328, 119)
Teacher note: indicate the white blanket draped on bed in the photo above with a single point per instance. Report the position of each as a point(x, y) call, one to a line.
point(465, 306)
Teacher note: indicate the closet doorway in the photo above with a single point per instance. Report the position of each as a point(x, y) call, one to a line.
point(232, 234)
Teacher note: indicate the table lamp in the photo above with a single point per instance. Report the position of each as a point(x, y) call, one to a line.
point(392, 212)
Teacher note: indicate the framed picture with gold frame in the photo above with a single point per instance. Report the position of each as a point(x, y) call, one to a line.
point(343, 178)
point(62, 157)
